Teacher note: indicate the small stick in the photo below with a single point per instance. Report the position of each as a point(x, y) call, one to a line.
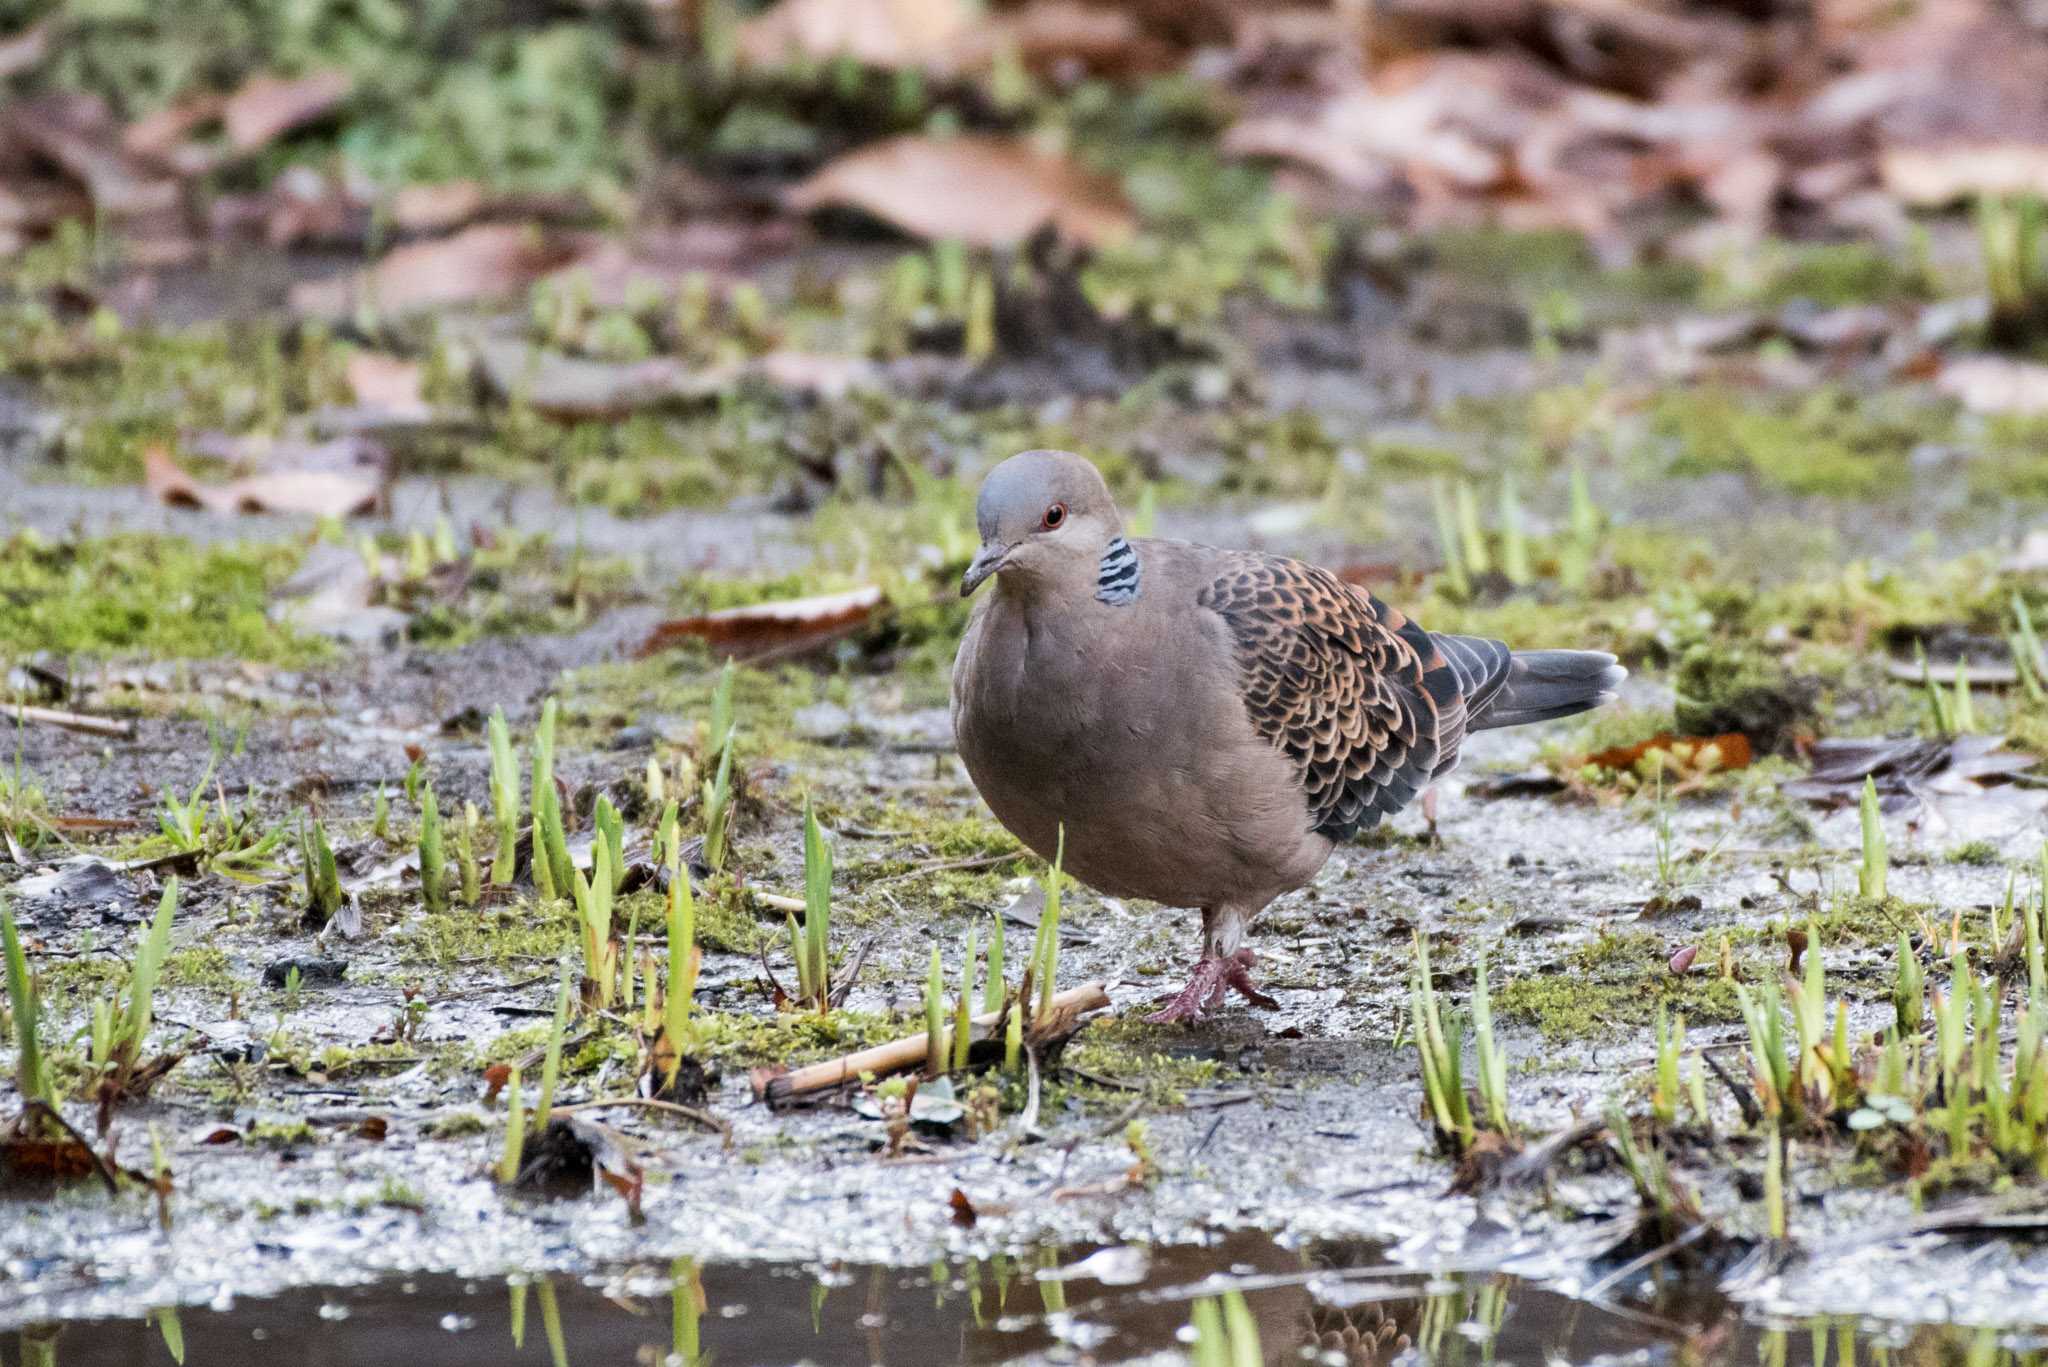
point(908, 1052)
point(648, 1103)
point(71, 721)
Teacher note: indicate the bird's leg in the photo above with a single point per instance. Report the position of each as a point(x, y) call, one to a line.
point(1225, 966)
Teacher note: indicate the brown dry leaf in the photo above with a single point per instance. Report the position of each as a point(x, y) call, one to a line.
point(1053, 36)
point(77, 134)
point(490, 260)
point(1733, 746)
point(891, 34)
point(267, 107)
point(437, 208)
point(782, 627)
point(983, 191)
point(388, 382)
point(160, 133)
point(317, 493)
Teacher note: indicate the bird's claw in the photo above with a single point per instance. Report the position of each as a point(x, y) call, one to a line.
point(1208, 984)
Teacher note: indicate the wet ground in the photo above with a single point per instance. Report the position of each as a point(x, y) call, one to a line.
point(330, 1150)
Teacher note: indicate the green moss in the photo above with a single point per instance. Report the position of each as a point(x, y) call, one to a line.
point(1831, 441)
point(794, 1038)
point(1613, 984)
point(1725, 688)
point(525, 931)
point(1976, 853)
point(1831, 274)
point(156, 596)
point(1131, 1050)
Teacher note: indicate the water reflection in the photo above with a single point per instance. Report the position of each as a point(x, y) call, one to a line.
point(1338, 1304)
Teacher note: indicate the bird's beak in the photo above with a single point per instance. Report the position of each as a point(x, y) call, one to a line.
point(987, 561)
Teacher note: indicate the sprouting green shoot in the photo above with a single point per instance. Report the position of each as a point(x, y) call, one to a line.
point(1493, 1060)
point(1870, 878)
point(509, 1160)
point(1937, 706)
point(611, 830)
point(718, 809)
point(465, 854)
point(808, 942)
point(1964, 713)
point(993, 990)
point(1909, 990)
point(1670, 1044)
point(31, 1071)
point(551, 1065)
point(722, 718)
point(935, 1017)
point(593, 898)
point(684, 961)
point(324, 896)
point(140, 1013)
point(504, 798)
point(2026, 651)
point(979, 341)
point(433, 858)
point(1045, 952)
point(551, 864)
point(1514, 547)
point(380, 814)
point(963, 1022)
point(656, 782)
point(1585, 514)
point(1439, 1039)
point(1477, 561)
point(1453, 550)
point(1773, 1072)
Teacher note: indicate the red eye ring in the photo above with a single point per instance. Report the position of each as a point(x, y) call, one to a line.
point(1055, 517)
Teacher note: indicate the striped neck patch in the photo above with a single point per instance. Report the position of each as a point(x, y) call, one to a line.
point(1117, 582)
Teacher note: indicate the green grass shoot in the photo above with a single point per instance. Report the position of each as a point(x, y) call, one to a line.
point(1514, 541)
point(1045, 951)
point(718, 809)
point(433, 857)
point(1477, 561)
point(504, 799)
point(1871, 875)
point(324, 896)
point(1452, 549)
point(31, 1069)
point(1492, 1060)
point(593, 897)
point(684, 962)
point(963, 1004)
point(509, 1159)
point(994, 989)
point(1439, 1039)
point(551, 1065)
point(465, 854)
point(808, 942)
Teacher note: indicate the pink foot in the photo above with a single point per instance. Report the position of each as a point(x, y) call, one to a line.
point(1207, 985)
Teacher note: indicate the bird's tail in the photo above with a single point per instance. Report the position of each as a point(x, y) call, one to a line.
point(1542, 684)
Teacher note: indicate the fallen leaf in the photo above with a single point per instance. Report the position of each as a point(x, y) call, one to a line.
point(490, 260)
point(964, 1214)
point(1995, 384)
point(1905, 768)
point(316, 493)
point(267, 107)
point(437, 208)
point(495, 1078)
point(1682, 961)
point(781, 627)
point(1731, 750)
point(983, 191)
point(387, 382)
point(891, 34)
point(77, 134)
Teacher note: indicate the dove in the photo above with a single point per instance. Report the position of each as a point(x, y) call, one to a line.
point(1201, 727)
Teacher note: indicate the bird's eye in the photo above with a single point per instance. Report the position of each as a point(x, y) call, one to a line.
point(1054, 516)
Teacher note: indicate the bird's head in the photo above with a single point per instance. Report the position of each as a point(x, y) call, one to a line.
point(1045, 517)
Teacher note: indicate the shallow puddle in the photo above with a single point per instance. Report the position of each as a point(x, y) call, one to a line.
point(1341, 1304)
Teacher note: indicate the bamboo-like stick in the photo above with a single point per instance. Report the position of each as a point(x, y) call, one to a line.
point(901, 1054)
point(70, 721)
